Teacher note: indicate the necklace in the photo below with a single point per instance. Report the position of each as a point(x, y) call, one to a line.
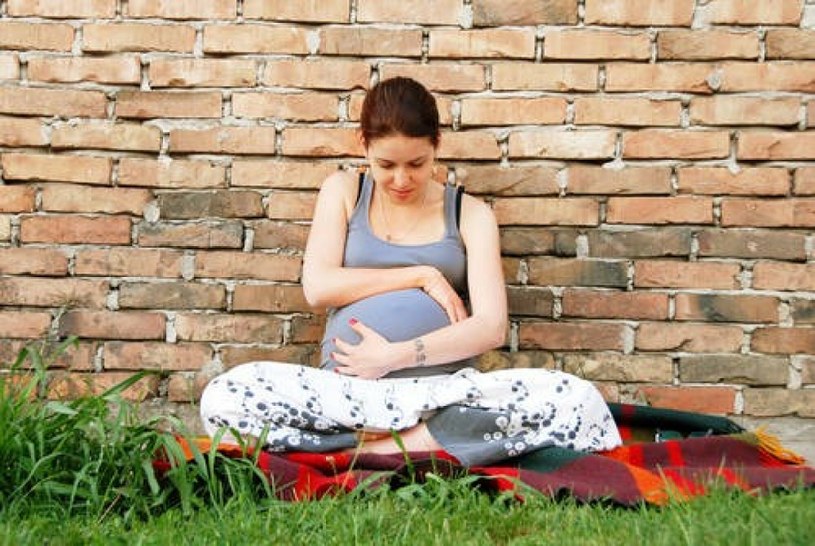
point(388, 236)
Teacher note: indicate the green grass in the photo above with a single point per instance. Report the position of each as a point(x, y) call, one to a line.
point(79, 472)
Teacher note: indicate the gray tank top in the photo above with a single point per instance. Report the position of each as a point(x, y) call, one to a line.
point(401, 314)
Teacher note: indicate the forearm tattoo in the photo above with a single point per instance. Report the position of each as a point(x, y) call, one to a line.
point(421, 355)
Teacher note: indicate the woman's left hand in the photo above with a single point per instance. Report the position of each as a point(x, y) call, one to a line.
point(371, 358)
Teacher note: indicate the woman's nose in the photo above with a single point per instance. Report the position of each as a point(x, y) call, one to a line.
point(401, 177)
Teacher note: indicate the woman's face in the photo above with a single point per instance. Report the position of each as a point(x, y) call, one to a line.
point(402, 166)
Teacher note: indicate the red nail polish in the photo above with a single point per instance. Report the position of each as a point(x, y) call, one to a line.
point(352, 321)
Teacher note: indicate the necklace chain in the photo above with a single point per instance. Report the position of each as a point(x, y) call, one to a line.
point(388, 236)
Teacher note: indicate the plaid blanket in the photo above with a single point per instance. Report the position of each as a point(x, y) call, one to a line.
point(666, 454)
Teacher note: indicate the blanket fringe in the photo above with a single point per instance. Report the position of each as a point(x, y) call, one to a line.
point(771, 445)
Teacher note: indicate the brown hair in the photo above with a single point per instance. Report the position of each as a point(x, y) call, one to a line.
point(399, 106)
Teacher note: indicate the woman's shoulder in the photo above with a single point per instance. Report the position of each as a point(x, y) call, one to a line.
point(476, 215)
point(341, 186)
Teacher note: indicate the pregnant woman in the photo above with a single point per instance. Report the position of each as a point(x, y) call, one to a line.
point(410, 272)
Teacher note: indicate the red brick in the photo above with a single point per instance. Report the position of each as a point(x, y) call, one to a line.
point(752, 244)
point(74, 385)
point(593, 336)
point(523, 12)
point(52, 102)
point(583, 144)
point(307, 329)
point(291, 205)
point(171, 295)
point(270, 298)
point(120, 355)
point(73, 229)
point(74, 198)
point(740, 12)
point(138, 37)
point(723, 181)
point(33, 261)
point(571, 272)
point(224, 140)
point(802, 311)
point(202, 72)
point(781, 276)
point(317, 74)
point(280, 235)
point(300, 354)
point(57, 168)
point(280, 174)
point(209, 204)
point(676, 274)
point(77, 357)
point(171, 174)
point(512, 181)
point(168, 104)
point(18, 199)
point(186, 388)
point(212, 234)
point(124, 69)
point(707, 44)
point(767, 145)
point(24, 324)
point(511, 76)
point(242, 328)
point(511, 269)
point(729, 110)
point(547, 211)
point(668, 143)
point(726, 308)
point(805, 180)
point(512, 111)
point(113, 325)
point(487, 43)
point(321, 142)
point(362, 41)
point(289, 106)
point(616, 367)
point(677, 77)
point(529, 301)
point(777, 402)
point(686, 337)
point(62, 8)
point(183, 9)
point(21, 132)
point(469, 145)
point(630, 180)
point(640, 12)
point(579, 44)
point(501, 360)
point(807, 370)
point(659, 210)
point(9, 66)
point(242, 265)
point(788, 43)
point(632, 112)
point(768, 76)
point(36, 36)
point(762, 212)
point(441, 77)
point(118, 136)
point(784, 340)
point(52, 292)
point(741, 369)
point(698, 399)
point(252, 38)
point(129, 262)
point(613, 304)
point(640, 243)
point(429, 12)
point(317, 11)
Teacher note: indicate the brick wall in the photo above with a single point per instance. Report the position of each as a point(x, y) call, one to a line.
point(651, 163)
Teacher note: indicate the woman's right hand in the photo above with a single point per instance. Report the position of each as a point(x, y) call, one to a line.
point(435, 285)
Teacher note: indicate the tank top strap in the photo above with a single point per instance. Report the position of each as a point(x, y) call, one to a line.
point(450, 212)
point(359, 216)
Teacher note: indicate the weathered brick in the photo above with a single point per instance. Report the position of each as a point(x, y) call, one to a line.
point(170, 174)
point(677, 274)
point(33, 261)
point(113, 325)
point(592, 336)
point(804, 181)
point(280, 174)
point(807, 369)
point(52, 102)
point(722, 180)
point(676, 13)
point(627, 112)
point(307, 329)
point(290, 106)
point(225, 140)
point(356, 41)
point(9, 66)
point(5, 227)
point(788, 43)
point(441, 77)
point(523, 12)
point(242, 265)
point(752, 244)
point(243, 328)
point(21, 132)
point(802, 311)
point(547, 211)
point(18, 199)
point(322, 11)
point(202, 72)
point(511, 268)
point(512, 181)
point(469, 145)
point(183, 9)
point(511, 76)
point(187, 387)
point(623, 368)
point(766, 145)
point(762, 212)
point(669, 143)
point(742, 12)
point(579, 44)
point(614, 304)
point(36, 36)
point(501, 360)
point(291, 205)
point(707, 44)
point(116, 136)
point(57, 168)
point(321, 142)
point(584, 144)
point(138, 37)
point(120, 355)
point(212, 234)
point(171, 295)
point(726, 308)
point(527, 241)
point(781, 276)
point(776, 402)
point(775, 340)
point(640, 243)
point(168, 104)
point(24, 324)
point(738, 76)
point(678, 77)
point(299, 354)
point(77, 357)
point(660, 210)
point(568, 272)
point(74, 385)
point(280, 235)
point(435, 12)
point(222, 204)
point(270, 298)
point(317, 74)
point(62, 8)
point(686, 337)
point(486, 43)
point(523, 300)
point(252, 38)
point(629, 180)
point(125, 69)
point(739, 369)
point(698, 399)
point(75, 198)
point(729, 110)
point(128, 262)
point(811, 114)
point(488, 111)
point(73, 229)
point(52, 292)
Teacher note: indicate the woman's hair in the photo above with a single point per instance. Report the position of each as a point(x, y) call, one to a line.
point(399, 106)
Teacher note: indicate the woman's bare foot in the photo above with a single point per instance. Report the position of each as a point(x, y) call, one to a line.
point(417, 438)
